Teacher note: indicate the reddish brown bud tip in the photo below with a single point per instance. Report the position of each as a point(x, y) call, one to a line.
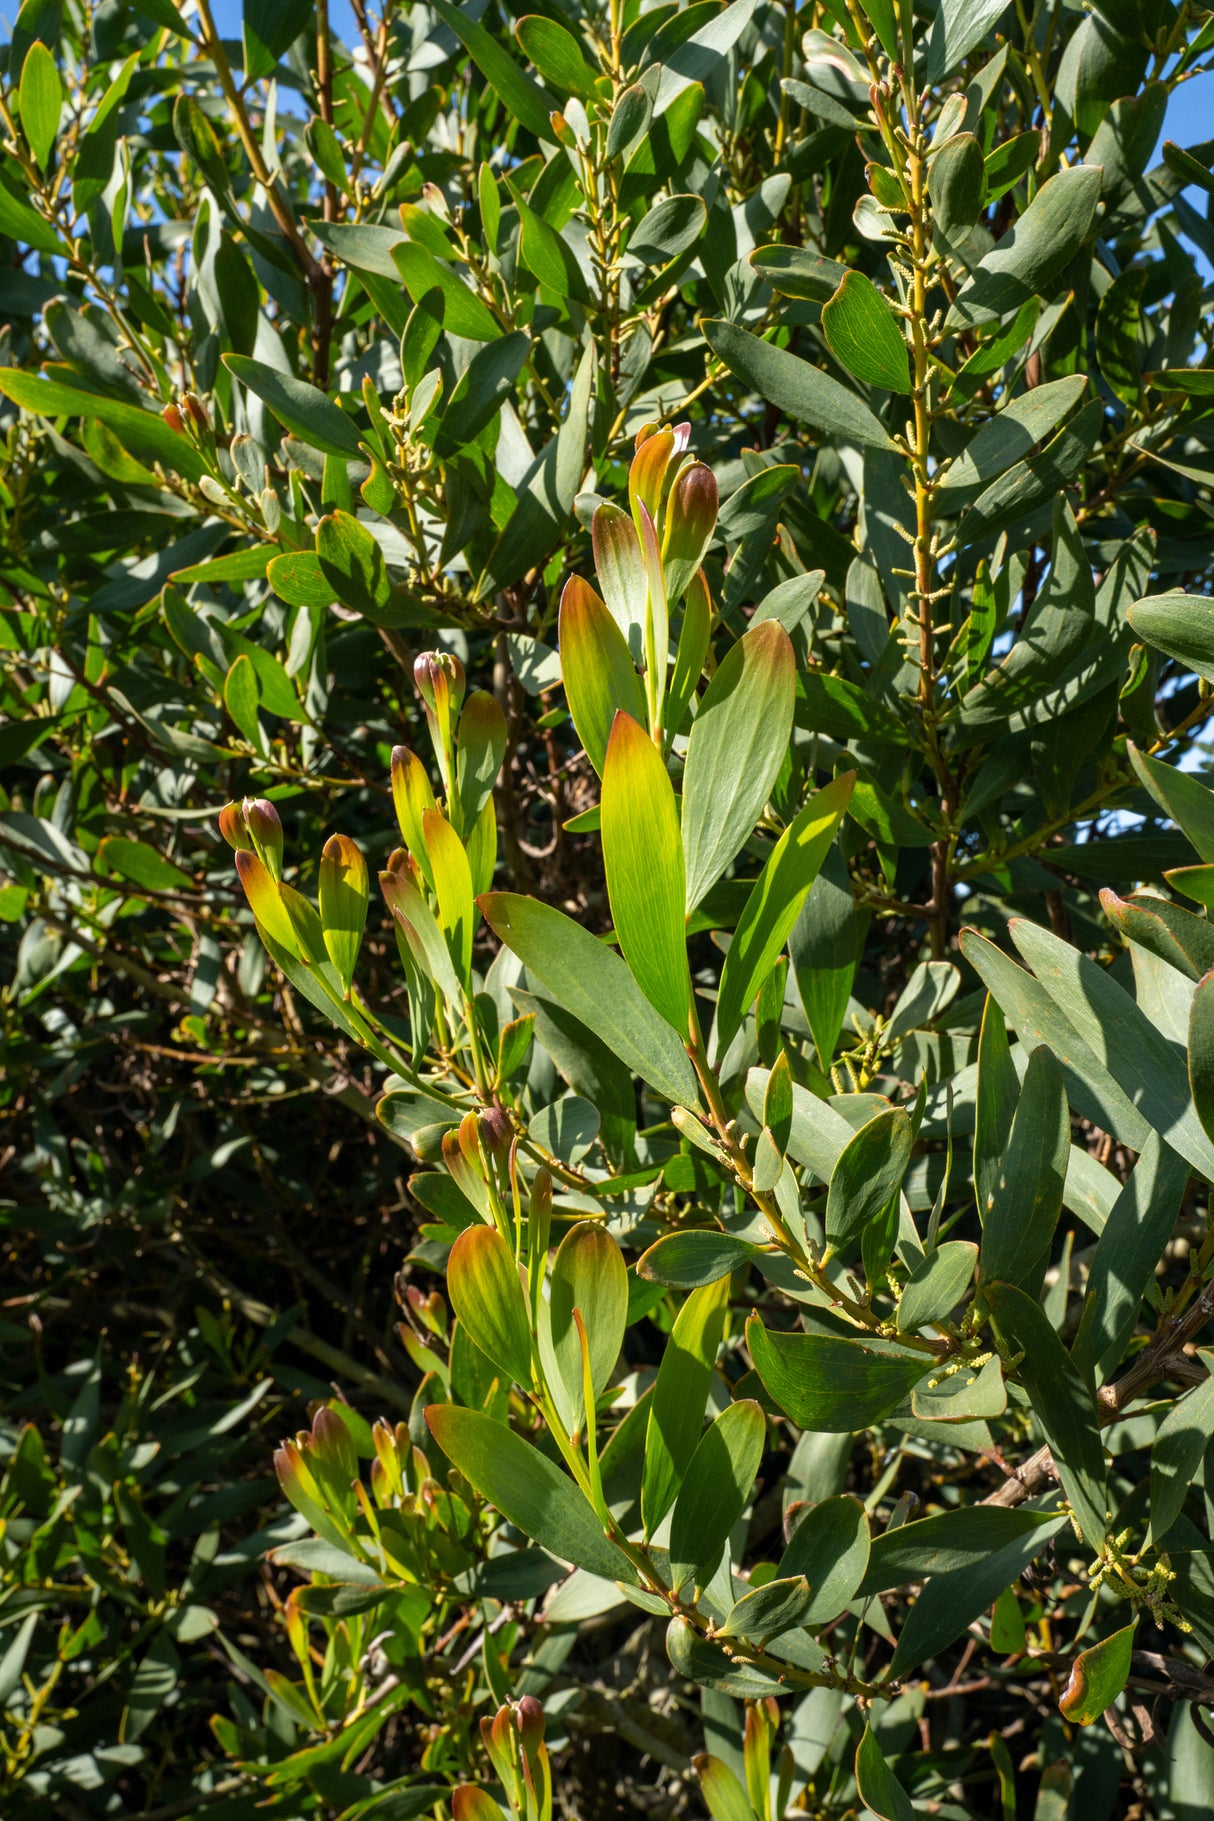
point(495, 1132)
point(172, 417)
point(233, 830)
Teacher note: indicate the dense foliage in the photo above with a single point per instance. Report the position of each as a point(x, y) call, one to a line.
point(710, 503)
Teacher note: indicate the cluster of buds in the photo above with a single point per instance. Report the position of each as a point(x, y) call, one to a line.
point(189, 417)
point(253, 826)
point(514, 1739)
point(646, 559)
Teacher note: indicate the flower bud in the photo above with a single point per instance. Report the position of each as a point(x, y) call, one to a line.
point(439, 677)
point(198, 414)
point(495, 1132)
point(529, 1720)
point(263, 823)
point(233, 830)
point(173, 418)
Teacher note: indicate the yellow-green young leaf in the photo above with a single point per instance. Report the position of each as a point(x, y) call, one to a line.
point(877, 1785)
point(862, 332)
point(676, 1407)
point(344, 890)
point(480, 749)
point(715, 1488)
point(265, 901)
point(1097, 1677)
point(725, 1797)
point(412, 797)
point(738, 741)
point(487, 1295)
point(596, 665)
point(482, 849)
point(468, 1803)
point(588, 1274)
point(643, 858)
point(620, 567)
point(453, 886)
point(776, 901)
point(41, 101)
point(240, 697)
point(528, 1489)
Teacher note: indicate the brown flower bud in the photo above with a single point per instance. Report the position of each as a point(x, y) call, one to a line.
point(440, 681)
point(529, 1721)
point(495, 1132)
point(233, 830)
point(263, 823)
point(198, 413)
point(173, 418)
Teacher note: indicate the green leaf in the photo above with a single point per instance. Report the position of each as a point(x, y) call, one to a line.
point(1182, 625)
point(1118, 324)
point(481, 391)
point(956, 183)
point(523, 99)
point(1164, 929)
point(643, 860)
point(830, 1384)
point(528, 1489)
point(270, 29)
point(876, 1784)
point(548, 256)
point(144, 433)
point(41, 102)
point(557, 56)
point(1011, 434)
point(775, 902)
point(862, 333)
point(1098, 1676)
point(676, 1408)
point(949, 1542)
point(825, 945)
point(588, 1274)
point(487, 1296)
point(597, 668)
point(1035, 250)
point(1008, 501)
point(797, 389)
point(1138, 1228)
point(1062, 1402)
point(1181, 1442)
point(240, 697)
point(1129, 1047)
point(737, 745)
point(1201, 1053)
point(711, 1664)
point(437, 290)
point(868, 1175)
point(546, 494)
point(949, 1603)
point(936, 1285)
point(716, 1486)
point(777, 1606)
point(1024, 1199)
point(799, 271)
point(668, 229)
point(301, 408)
point(141, 864)
point(1007, 163)
point(593, 983)
point(1090, 1087)
point(959, 27)
point(830, 1548)
point(685, 1261)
